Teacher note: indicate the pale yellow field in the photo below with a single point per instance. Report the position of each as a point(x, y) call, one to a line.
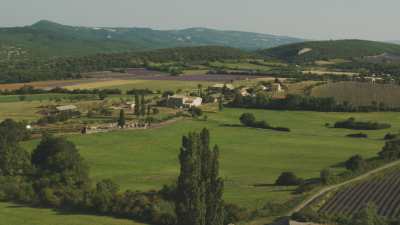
point(322, 72)
point(103, 84)
point(20, 110)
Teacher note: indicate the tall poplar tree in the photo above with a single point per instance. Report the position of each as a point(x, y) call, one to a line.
point(137, 105)
point(121, 119)
point(142, 106)
point(199, 189)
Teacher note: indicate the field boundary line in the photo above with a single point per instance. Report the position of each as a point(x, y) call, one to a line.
point(335, 186)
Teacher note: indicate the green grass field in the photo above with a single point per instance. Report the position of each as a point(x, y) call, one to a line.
point(12, 214)
point(251, 159)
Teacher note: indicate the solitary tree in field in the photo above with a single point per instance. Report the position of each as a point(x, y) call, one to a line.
point(121, 119)
point(199, 188)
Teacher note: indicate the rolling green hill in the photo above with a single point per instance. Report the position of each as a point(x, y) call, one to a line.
point(47, 39)
point(324, 50)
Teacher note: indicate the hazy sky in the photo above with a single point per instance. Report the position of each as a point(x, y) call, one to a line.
point(313, 19)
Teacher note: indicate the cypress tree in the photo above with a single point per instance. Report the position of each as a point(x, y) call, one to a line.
point(220, 104)
point(199, 189)
point(137, 105)
point(121, 119)
point(142, 106)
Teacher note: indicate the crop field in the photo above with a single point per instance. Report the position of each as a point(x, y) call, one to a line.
point(12, 214)
point(360, 94)
point(383, 191)
point(251, 159)
point(241, 66)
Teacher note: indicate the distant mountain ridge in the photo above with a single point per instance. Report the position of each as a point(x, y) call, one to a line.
point(50, 39)
point(324, 50)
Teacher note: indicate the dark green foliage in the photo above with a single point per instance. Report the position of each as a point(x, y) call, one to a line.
point(14, 160)
point(199, 189)
point(327, 176)
point(104, 195)
point(288, 179)
point(355, 163)
point(291, 102)
point(58, 117)
point(304, 216)
point(390, 136)
point(61, 176)
point(142, 106)
point(247, 119)
point(391, 150)
point(358, 135)
point(139, 92)
point(234, 213)
point(220, 104)
point(368, 216)
point(351, 123)
point(121, 119)
point(196, 112)
point(137, 105)
point(35, 69)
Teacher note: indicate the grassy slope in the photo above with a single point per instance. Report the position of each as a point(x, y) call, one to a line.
point(11, 214)
point(142, 160)
point(323, 50)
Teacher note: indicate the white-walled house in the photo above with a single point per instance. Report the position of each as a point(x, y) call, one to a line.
point(179, 101)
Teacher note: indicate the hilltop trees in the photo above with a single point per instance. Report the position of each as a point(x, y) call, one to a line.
point(199, 188)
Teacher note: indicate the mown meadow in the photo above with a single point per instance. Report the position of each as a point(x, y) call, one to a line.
point(17, 214)
point(251, 159)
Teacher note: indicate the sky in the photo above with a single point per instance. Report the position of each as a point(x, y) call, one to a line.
point(310, 19)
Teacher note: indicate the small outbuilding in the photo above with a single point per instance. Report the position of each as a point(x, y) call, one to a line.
point(179, 101)
point(66, 108)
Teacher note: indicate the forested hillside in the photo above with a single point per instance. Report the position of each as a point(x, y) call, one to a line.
point(325, 50)
point(49, 39)
point(72, 67)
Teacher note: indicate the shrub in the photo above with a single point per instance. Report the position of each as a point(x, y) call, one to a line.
point(195, 111)
point(234, 213)
point(288, 179)
point(247, 119)
point(305, 216)
point(326, 176)
point(355, 163)
point(351, 123)
point(390, 136)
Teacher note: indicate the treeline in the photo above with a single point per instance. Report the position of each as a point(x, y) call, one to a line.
point(29, 90)
point(351, 123)
point(299, 102)
point(249, 120)
point(72, 68)
point(365, 67)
